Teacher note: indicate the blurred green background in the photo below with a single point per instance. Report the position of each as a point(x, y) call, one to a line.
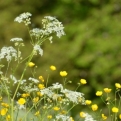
point(91, 48)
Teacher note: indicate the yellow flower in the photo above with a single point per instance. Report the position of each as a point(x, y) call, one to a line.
point(82, 114)
point(104, 117)
point(117, 85)
point(21, 101)
point(120, 116)
point(8, 118)
point(37, 113)
point(49, 116)
point(83, 81)
point(115, 110)
point(25, 95)
point(3, 111)
point(107, 90)
point(53, 68)
point(41, 78)
point(99, 93)
point(63, 112)
point(39, 94)
point(35, 99)
point(63, 73)
point(71, 118)
point(41, 86)
point(94, 107)
point(88, 102)
point(5, 105)
point(56, 108)
point(31, 64)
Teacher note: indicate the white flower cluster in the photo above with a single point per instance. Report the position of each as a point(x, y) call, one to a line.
point(16, 40)
point(13, 78)
point(38, 33)
point(50, 25)
point(88, 117)
point(33, 80)
point(69, 96)
point(37, 48)
point(60, 117)
point(24, 17)
point(8, 53)
point(75, 97)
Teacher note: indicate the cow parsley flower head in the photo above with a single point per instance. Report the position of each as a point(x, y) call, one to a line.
point(34, 80)
point(38, 33)
point(24, 17)
point(88, 117)
point(16, 39)
point(62, 118)
point(8, 53)
point(37, 48)
point(73, 96)
point(52, 25)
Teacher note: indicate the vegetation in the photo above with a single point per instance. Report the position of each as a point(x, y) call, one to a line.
point(90, 49)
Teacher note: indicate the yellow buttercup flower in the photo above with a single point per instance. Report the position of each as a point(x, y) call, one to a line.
point(120, 116)
point(41, 86)
point(39, 94)
point(94, 107)
point(21, 101)
point(8, 117)
point(37, 113)
point(53, 68)
point(104, 117)
point(88, 102)
point(5, 105)
point(82, 114)
point(56, 108)
point(83, 81)
point(63, 112)
point(49, 116)
point(3, 111)
point(71, 118)
point(31, 64)
point(99, 93)
point(115, 110)
point(36, 99)
point(107, 90)
point(25, 95)
point(63, 73)
point(41, 78)
point(117, 85)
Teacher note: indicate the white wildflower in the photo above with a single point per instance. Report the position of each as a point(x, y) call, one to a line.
point(48, 92)
point(21, 107)
point(16, 40)
point(22, 81)
point(38, 33)
point(62, 118)
point(52, 25)
point(34, 80)
point(8, 53)
point(57, 86)
point(37, 48)
point(13, 79)
point(75, 97)
point(88, 117)
point(24, 17)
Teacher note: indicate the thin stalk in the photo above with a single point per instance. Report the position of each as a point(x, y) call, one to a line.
point(12, 104)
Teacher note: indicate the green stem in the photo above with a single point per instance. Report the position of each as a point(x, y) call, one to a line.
point(12, 101)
